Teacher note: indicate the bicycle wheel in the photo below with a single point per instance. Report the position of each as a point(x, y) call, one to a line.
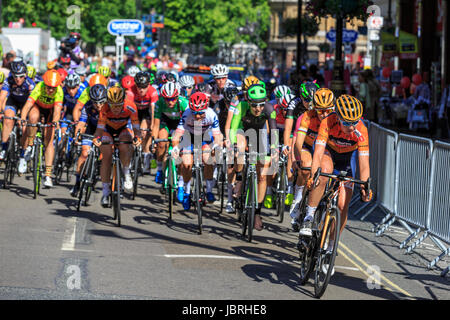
point(251, 213)
point(90, 183)
point(170, 186)
point(115, 192)
point(37, 167)
point(135, 173)
point(59, 163)
point(281, 193)
point(198, 196)
point(245, 212)
point(330, 230)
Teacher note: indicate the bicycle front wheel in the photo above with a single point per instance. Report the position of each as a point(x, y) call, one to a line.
point(115, 192)
point(135, 172)
point(281, 194)
point(37, 167)
point(252, 207)
point(325, 260)
point(199, 199)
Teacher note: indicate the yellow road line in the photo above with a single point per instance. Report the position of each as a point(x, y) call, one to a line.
point(390, 283)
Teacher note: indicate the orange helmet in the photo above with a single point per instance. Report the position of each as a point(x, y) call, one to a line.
point(52, 78)
point(324, 99)
point(51, 65)
point(349, 108)
point(98, 79)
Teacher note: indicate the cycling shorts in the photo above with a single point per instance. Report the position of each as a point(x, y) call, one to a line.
point(13, 104)
point(144, 114)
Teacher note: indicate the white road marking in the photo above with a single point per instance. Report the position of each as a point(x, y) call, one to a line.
point(69, 235)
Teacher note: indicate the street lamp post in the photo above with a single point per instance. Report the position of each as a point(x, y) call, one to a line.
point(299, 37)
point(337, 84)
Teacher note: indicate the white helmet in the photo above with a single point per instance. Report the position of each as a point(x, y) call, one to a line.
point(281, 91)
point(187, 81)
point(72, 80)
point(133, 70)
point(219, 71)
point(170, 90)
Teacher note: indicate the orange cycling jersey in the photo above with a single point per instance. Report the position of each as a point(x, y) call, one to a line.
point(117, 121)
point(331, 135)
point(309, 126)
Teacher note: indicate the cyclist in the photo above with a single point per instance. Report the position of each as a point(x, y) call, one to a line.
point(341, 138)
point(31, 73)
point(168, 111)
point(253, 113)
point(307, 130)
point(144, 97)
point(84, 97)
point(220, 82)
point(45, 101)
point(129, 62)
point(279, 92)
point(81, 72)
point(88, 124)
point(106, 72)
point(133, 71)
point(72, 92)
point(196, 120)
point(15, 92)
point(281, 109)
point(221, 108)
point(187, 84)
point(113, 122)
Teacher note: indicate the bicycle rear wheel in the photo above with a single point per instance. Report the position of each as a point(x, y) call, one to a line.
point(116, 193)
point(281, 194)
point(252, 201)
point(330, 231)
point(37, 167)
point(135, 173)
point(198, 197)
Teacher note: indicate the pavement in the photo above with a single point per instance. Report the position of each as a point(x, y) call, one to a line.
point(48, 250)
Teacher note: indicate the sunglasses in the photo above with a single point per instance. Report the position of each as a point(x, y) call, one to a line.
point(116, 105)
point(189, 88)
point(257, 105)
point(349, 124)
point(322, 111)
point(171, 99)
point(101, 102)
point(50, 88)
point(18, 76)
point(198, 113)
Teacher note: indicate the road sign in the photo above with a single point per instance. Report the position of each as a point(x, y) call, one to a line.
point(348, 35)
point(109, 49)
point(375, 22)
point(130, 27)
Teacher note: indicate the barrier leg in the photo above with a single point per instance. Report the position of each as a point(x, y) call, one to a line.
point(386, 226)
point(361, 208)
point(410, 237)
point(436, 260)
point(415, 244)
point(383, 221)
point(438, 243)
point(368, 212)
point(444, 273)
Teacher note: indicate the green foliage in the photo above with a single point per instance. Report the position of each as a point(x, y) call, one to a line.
point(199, 21)
point(310, 26)
point(347, 9)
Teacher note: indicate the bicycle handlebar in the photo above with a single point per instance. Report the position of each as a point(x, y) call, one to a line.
point(342, 176)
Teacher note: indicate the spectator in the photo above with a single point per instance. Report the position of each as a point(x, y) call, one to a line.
point(375, 94)
point(423, 89)
point(315, 75)
point(364, 95)
point(10, 56)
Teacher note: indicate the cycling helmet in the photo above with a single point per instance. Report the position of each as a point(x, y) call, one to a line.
point(162, 77)
point(98, 93)
point(52, 78)
point(51, 65)
point(250, 80)
point(127, 82)
point(256, 94)
point(286, 100)
point(198, 101)
point(349, 108)
point(133, 70)
point(203, 87)
point(104, 71)
point(219, 71)
point(116, 95)
point(75, 35)
point(262, 83)
point(63, 73)
point(18, 68)
point(324, 99)
point(169, 90)
point(307, 90)
point(187, 81)
point(2, 77)
point(229, 93)
point(64, 60)
point(281, 91)
point(142, 79)
point(98, 79)
point(31, 72)
point(72, 80)
point(81, 71)
point(171, 78)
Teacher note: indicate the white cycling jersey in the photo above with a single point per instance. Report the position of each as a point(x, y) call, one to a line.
point(188, 122)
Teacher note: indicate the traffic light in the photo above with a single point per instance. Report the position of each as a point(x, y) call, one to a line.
point(155, 32)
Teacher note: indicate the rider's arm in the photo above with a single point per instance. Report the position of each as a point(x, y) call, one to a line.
point(363, 152)
point(3, 96)
point(82, 100)
point(236, 117)
point(319, 146)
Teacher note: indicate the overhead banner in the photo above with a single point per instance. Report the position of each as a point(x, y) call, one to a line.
point(408, 45)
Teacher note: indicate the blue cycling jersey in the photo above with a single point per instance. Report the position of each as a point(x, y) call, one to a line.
point(69, 102)
point(18, 93)
point(89, 114)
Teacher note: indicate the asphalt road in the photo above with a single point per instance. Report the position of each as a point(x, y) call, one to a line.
point(48, 250)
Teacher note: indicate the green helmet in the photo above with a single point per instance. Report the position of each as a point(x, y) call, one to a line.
point(307, 90)
point(152, 77)
point(256, 93)
point(262, 83)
